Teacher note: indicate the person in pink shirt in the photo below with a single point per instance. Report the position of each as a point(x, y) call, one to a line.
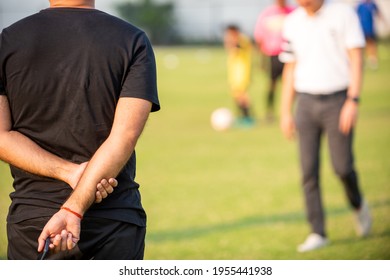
point(268, 37)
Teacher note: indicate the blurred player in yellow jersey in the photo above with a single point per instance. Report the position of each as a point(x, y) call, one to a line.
point(239, 64)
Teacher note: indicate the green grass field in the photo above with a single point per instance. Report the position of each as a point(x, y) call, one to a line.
point(236, 194)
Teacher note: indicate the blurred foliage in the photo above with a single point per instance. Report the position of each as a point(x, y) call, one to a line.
point(156, 19)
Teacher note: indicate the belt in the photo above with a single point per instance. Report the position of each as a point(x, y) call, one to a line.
point(325, 96)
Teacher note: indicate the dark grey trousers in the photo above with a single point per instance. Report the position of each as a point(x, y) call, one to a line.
point(315, 116)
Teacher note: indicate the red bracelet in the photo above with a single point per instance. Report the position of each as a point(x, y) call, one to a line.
point(73, 212)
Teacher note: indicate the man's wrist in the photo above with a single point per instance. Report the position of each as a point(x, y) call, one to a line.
point(65, 171)
point(78, 215)
point(354, 99)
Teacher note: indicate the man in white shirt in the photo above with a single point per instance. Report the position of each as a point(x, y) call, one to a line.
point(322, 53)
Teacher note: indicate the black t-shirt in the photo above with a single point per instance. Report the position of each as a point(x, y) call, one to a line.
point(63, 71)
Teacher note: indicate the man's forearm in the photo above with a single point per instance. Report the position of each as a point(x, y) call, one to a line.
point(21, 152)
point(109, 159)
point(288, 92)
point(356, 72)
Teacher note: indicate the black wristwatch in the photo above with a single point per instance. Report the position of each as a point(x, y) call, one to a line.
point(354, 99)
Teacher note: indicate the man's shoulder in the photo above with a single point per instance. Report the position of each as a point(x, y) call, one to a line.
point(268, 12)
point(115, 20)
point(338, 7)
point(110, 21)
point(296, 15)
point(26, 21)
point(274, 10)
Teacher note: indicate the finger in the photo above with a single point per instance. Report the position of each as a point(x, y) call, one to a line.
point(342, 130)
point(56, 243)
point(69, 242)
point(348, 129)
point(102, 190)
point(109, 189)
point(41, 244)
point(75, 240)
point(42, 239)
point(64, 238)
point(51, 245)
point(113, 182)
point(344, 127)
point(98, 197)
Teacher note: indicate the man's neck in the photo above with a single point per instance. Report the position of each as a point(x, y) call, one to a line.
point(281, 4)
point(82, 4)
point(312, 10)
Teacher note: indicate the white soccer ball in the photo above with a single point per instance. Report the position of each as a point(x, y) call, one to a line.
point(221, 119)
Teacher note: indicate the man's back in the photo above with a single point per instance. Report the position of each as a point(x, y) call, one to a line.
point(64, 70)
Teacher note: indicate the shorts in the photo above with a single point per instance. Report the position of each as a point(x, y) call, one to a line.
point(239, 76)
point(369, 32)
point(371, 36)
point(276, 67)
point(100, 239)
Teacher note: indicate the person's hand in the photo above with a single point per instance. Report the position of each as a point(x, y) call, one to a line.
point(74, 177)
point(104, 188)
point(348, 116)
point(61, 242)
point(287, 125)
point(63, 229)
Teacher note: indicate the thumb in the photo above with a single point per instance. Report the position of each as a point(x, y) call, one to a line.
point(42, 238)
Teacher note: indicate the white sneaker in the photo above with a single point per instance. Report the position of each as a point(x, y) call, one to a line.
point(313, 241)
point(363, 220)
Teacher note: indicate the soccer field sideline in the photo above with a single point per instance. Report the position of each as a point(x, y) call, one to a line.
point(236, 194)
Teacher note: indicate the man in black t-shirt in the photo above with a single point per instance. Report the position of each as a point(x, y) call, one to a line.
point(76, 85)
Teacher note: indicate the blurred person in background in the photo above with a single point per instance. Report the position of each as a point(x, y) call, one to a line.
point(367, 11)
point(268, 37)
point(323, 55)
point(239, 70)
